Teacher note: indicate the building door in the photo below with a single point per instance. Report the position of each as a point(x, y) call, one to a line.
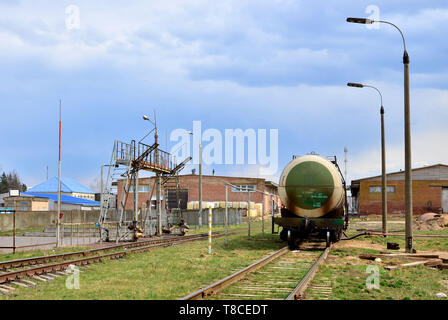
point(445, 200)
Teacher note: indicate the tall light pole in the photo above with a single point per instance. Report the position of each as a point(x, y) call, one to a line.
point(407, 133)
point(58, 221)
point(200, 184)
point(158, 179)
point(200, 180)
point(383, 155)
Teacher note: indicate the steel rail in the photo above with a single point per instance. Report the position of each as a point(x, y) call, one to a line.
point(45, 259)
point(298, 291)
point(223, 283)
point(61, 266)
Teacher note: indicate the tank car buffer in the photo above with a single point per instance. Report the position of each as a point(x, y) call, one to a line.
point(313, 193)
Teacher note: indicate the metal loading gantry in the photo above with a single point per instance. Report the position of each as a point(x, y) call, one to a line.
point(126, 162)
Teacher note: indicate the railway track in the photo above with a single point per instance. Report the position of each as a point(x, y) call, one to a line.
point(283, 274)
point(18, 272)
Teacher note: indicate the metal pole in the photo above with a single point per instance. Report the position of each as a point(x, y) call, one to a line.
point(262, 215)
point(227, 217)
point(135, 203)
point(14, 232)
point(158, 195)
point(248, 213)
point(58, 220)
point(71, 228)
point(272, 211)
point(101, 206)
point(210, 230)
point(407, 152)
point(200, 185)
point(383, 172)
point(159, 206)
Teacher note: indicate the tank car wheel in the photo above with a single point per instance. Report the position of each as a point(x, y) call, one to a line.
point(291, 240)
point(336, 235)
point(328, 240)
point(284, 234)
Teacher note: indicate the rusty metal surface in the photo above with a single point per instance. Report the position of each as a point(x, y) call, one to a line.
point(298, 291)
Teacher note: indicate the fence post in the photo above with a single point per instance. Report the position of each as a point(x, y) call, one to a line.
point(210, 230)
point(14, 233)
point(262, 215)
point(272, 210)
point(248, 213)
point(226, 218)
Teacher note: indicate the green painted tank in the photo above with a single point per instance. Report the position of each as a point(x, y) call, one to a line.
point(310, 186)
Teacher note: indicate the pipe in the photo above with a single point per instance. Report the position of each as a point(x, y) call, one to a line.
point(356, 236)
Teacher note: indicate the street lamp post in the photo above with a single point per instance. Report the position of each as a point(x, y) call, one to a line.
point(407, 134)
point(383, 156)
point(158, 178)
point(200, 185)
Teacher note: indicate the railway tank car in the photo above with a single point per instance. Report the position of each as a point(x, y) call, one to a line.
point(314, 202)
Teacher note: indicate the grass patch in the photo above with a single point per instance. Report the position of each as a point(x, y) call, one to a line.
point(161, 273)
point(348, 280)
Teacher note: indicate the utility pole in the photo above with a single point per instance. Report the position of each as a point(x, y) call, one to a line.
point(248, 213)
point(383, 173)
point(227, 216)
point(134, 222)
point(383, 156)
point(272, 210)
point(58, 221)
point(407, 155)
point(158, 182)
point(345, 163)
point(407, 135)
point(200, 185)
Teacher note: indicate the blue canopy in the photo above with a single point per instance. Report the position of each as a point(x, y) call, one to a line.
point(64, 198)
point(67, 185)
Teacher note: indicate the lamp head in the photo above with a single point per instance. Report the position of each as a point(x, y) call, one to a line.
point(356, 85)
point(360, 20)
point(145, 117)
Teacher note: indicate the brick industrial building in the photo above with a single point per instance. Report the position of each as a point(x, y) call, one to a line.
point(213, 191)
point(429, 191)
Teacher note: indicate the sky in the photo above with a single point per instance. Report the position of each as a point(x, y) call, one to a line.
point(277, 64)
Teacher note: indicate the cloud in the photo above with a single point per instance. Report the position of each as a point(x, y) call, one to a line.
point(233, 64)
point(427, 149)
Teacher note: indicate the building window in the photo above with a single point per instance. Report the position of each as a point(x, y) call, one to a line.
point(243, 188)
point(377, 189)
point(140, 189)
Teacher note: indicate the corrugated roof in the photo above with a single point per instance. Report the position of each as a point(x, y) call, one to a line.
point(64, 198)
point(67, 185)
point(402, 171)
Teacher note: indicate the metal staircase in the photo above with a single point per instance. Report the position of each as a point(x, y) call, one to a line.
point(126, 161)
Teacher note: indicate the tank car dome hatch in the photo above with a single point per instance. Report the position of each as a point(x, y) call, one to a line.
point(310, 186)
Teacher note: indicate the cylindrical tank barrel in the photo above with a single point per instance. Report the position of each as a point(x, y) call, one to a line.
point(310, 186)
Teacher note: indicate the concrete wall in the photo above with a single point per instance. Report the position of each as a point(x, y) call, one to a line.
point(31, 219)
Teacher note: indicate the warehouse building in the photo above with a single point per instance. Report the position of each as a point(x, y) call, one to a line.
point(429, 191)
point(213, 193)
point(28, 201)
point(68, 187)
